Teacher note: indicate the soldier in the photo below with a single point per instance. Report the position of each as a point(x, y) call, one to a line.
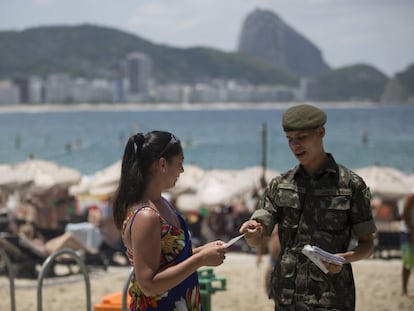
point(318, 202)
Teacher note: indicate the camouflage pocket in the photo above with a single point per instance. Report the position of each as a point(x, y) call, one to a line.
point(316, 274)
point(286, 284)
point(334, 214)
point(287, 195)
point(288, 200)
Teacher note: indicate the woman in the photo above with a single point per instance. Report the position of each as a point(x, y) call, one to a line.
point(154, 233)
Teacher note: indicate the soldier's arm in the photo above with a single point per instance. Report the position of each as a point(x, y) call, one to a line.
point(261, 222)
point(364, 249)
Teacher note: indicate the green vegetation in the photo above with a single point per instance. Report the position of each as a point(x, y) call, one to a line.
point(358, 82)
point(406, 79)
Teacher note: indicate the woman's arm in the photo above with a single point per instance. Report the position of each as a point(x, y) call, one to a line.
point(146, 248)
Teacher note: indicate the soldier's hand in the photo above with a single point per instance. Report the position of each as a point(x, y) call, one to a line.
point(253, 231)
point(333, 268)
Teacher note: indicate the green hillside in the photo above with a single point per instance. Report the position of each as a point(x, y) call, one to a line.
point(358, 82)
point(88, 50)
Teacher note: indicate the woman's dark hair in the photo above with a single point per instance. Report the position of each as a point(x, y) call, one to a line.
point(141, 151)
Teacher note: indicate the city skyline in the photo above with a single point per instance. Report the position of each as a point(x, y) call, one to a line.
point(374, 32)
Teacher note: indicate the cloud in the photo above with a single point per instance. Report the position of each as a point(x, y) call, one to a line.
point(43, 2)
point(187, 23)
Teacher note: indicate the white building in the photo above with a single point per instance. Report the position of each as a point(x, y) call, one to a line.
point(58, 88)
point(9, 93)
point(36, 90)
point(93, 91)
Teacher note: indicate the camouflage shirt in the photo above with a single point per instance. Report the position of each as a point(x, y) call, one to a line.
point(326, 209)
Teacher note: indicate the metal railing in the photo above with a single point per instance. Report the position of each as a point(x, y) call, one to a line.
point(125, 290)
point(46, 266)
point(7, 260)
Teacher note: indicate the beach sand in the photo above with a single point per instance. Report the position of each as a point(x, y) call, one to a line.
point(378, 285)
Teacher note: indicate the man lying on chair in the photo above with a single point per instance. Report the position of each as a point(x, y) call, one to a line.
point(44, 248)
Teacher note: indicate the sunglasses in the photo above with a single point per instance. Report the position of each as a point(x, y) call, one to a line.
point(172, 141)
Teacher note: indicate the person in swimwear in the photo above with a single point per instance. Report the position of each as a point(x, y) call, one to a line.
point(153, 231)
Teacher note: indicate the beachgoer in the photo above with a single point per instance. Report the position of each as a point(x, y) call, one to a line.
point(44, 248)
point(318, 202)
point(155, 234)
point(407, 240)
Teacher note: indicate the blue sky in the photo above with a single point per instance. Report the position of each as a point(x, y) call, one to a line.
point(376, 32)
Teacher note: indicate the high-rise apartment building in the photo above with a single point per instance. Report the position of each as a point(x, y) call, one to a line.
point(138, 71)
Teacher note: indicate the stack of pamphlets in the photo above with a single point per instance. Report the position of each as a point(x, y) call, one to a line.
point(318, 255)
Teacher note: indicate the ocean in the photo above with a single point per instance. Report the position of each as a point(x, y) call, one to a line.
point(90, 139)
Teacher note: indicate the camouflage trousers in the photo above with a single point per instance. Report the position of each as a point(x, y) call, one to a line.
point(300, 306)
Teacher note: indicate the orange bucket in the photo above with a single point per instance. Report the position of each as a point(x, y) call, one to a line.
point(111, 302)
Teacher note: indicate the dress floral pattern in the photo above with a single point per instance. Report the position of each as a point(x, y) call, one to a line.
point(175, 248)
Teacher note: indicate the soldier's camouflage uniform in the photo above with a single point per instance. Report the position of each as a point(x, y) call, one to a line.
point(325, 210)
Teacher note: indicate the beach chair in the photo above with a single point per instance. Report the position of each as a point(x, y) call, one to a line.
point(24, 265)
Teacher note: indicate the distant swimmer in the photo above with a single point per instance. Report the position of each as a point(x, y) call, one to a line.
point(17, 141)
point(364, 137)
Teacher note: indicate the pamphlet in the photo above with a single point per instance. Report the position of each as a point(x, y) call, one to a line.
point(234, 240)
point(318, 255)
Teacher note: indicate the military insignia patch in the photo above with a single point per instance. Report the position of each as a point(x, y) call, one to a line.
point(367, 194)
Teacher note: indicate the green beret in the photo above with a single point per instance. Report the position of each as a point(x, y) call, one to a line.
point(303, 117)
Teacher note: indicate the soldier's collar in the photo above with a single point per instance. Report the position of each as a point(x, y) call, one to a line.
point(330, 166)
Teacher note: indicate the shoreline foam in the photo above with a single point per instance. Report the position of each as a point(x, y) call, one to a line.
point(171, 106)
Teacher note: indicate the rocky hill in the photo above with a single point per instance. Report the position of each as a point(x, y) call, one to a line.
point(265, 35)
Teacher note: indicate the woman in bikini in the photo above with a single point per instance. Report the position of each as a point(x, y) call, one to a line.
point(155, 235)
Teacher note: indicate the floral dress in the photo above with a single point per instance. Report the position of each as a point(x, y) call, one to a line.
point(175, 248)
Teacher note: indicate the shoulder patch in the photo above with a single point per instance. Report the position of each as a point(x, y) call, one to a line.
point(367, 194)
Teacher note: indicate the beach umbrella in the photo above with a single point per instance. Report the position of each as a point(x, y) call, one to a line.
point(82, 187)
point(214, 188)
point(12, 179)
point(256, 172)
point(384, 181)
point(410, 181)
point(188, 180)
point(108, 175)
point(102, 182)
point(221, 186)
point(46, 175)
point(188, 202)
point(105, 181)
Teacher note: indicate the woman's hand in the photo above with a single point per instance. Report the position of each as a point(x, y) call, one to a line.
point(213, 253)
